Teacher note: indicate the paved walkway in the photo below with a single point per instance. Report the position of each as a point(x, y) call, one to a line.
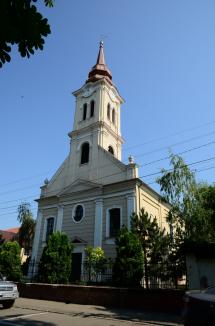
point(135, 316)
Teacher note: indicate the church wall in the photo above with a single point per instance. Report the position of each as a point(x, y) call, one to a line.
point(154, 207)
point(85, 228)
point(46, 213)
point(121, 202)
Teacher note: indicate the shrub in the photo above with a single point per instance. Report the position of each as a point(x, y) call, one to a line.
point(128, 266)
point(10, 261)
point(56, 260)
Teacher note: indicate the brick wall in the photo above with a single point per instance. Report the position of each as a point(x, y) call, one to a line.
point(164, 300)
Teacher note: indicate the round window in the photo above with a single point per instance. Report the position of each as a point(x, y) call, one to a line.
point(78, 213)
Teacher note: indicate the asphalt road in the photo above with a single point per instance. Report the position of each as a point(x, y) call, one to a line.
point(47, 313)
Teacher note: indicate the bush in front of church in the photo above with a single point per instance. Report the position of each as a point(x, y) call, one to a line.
point(56, 260)
point(128, 265)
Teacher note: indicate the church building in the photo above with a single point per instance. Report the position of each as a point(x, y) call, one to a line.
point(93, 193)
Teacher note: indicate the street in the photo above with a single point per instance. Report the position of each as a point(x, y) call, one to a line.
point(47, 313)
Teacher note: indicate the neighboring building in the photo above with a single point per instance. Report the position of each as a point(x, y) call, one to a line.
point(9, 234)
point(93, 193)
point(12, 235)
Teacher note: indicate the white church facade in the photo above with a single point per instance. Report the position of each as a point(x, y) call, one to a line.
point(93, 193)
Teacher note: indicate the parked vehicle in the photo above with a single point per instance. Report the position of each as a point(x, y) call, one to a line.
point(8, 293)
point(199, 308)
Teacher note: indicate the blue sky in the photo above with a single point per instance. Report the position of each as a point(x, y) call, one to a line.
point(162, 57)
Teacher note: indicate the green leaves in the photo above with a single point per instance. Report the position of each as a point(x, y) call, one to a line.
point(27, 228)
point(128, 266)
point(23, 25)
point(10, 261)
point(56, 260)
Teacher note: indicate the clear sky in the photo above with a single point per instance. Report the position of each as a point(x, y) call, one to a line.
point(162, 57)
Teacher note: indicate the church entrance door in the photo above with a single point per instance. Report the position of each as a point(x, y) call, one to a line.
point(76, 267)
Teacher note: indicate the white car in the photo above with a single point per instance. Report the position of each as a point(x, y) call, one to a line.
point(8, 293)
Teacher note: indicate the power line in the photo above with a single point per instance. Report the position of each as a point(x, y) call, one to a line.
point(149, 163)
point(144, 154)
point(141, 177)
point(175, 144)
point(170, 135)
point(27, 178)
point(117, 173)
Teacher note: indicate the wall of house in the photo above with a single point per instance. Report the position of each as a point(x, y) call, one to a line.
point(200, 272)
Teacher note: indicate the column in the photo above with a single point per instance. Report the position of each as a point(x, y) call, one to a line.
point(131, 208)
point(59, 218)
point(98, 223)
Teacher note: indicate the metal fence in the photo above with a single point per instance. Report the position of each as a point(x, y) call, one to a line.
point(159, 276)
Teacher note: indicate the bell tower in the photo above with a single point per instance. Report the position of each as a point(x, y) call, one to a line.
point(97, 114)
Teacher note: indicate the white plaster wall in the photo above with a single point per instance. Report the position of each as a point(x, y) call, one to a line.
point(198, 268)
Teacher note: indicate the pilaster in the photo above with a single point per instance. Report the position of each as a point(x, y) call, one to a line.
point(98, 223)
point(131, 208)
point(59, 218)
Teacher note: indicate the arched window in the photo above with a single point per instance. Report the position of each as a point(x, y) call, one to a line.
point(85, 150)
point(85, 111)
point(110, 149)
point(113, 116)
point(108, 111)
point(92, 106)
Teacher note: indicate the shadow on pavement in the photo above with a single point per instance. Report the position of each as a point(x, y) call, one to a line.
point(140, 316)
point(25, 322)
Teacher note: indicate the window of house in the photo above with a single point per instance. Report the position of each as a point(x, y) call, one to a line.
point(113, 116)
point(78, 213)
point(92, 107)
point(85, 150)
point(49, 227)
point(85, 111)
point(110, 149)
point(114, 222)
point(108, 111)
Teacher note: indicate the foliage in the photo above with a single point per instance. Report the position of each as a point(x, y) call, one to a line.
point(2, 240)
point(27, 228)
point(192, 210)
point(56, 260)
point(10, 261)
point(203, 226)
point(128, 266)
point(95, 262)
point(23, 25)
point(154, 241)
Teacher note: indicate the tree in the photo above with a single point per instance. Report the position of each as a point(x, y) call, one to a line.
point(23, 25)
point(10, 261)
point(27, 228)
point(55, 263)
point(95, 262)
point(128, 265)
point(154, 241)
point(191, 214)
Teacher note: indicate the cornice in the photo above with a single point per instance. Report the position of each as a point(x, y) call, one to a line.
point(92, 127)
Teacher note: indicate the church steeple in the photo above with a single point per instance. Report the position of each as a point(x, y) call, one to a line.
point(100, 70)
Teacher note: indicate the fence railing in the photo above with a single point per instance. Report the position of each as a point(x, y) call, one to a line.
point(158, 276)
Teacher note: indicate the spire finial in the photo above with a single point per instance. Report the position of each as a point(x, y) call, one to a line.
point(100, 70)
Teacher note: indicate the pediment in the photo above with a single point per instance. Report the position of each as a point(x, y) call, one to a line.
point(80, 185)
point(77, 240)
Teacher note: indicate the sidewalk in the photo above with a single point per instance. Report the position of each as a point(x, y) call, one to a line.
point(99, 312)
